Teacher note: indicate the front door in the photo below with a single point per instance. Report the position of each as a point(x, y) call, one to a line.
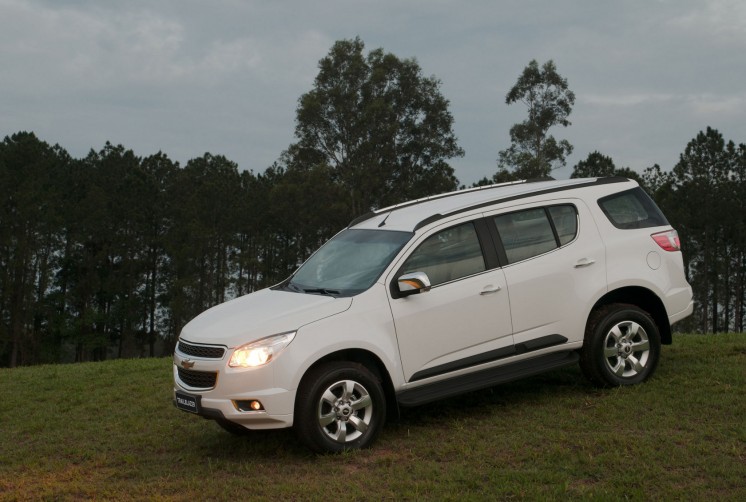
point(464, 320)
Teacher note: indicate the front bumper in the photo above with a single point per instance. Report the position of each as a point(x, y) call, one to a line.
point(229, 387)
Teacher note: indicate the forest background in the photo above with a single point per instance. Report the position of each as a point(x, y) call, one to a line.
point(109, 255)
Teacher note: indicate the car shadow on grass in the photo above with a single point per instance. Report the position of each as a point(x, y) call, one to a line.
point(537, 389)
point(283, 444)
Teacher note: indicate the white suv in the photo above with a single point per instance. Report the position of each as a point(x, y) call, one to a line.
point(438, 297)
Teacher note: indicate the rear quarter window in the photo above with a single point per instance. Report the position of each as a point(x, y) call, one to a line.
point(632, 209)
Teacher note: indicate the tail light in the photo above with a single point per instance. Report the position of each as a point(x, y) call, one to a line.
point(668, 241)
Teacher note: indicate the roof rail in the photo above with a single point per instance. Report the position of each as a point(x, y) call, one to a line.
point(435, 217)
point(507, 198)
point(410, 203)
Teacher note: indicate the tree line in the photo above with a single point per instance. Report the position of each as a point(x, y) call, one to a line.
point(110, 255)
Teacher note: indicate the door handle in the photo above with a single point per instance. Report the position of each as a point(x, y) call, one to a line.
point(490, 291)
point(584, 262)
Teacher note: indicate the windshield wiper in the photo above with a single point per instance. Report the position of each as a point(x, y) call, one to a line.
point(322, 291)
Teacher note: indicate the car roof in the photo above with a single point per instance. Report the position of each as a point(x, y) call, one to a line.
point(412, 215)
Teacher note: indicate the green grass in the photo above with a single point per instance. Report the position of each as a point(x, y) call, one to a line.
point(109, 431)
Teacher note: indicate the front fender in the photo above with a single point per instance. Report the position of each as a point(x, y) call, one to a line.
point(367, 325)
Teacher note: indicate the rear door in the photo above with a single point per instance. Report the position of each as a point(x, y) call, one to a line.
point(554, 265)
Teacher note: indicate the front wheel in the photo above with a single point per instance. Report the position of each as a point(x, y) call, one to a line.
point(340, 406)
point(622, 346)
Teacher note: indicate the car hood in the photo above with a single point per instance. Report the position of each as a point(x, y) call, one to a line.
point(260, 314)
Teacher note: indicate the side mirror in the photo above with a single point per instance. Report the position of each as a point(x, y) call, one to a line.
point(413, 283)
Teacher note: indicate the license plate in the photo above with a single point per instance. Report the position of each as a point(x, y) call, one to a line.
point(187, 403)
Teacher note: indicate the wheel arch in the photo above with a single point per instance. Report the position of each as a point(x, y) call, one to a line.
point(644, 299)
point(373, 363)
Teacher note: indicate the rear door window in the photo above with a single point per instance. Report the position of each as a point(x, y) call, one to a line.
point(529, 233)
point(565, 219)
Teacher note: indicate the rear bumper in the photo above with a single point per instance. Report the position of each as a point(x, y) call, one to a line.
point(673, 318)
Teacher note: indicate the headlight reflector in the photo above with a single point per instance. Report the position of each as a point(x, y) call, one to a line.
point(260, 352)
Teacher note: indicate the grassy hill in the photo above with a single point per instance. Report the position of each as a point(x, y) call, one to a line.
point(109, 431)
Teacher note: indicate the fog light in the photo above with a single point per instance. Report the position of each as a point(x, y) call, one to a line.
point(249, 405)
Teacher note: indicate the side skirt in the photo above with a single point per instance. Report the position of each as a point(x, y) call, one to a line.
point(493, 355)
point(485, 378)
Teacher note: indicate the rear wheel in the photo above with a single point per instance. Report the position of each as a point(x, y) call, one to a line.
point(340, 406)
point(621, 347)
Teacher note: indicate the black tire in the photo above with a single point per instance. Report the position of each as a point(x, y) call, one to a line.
point(340, 406)
point(622, 346)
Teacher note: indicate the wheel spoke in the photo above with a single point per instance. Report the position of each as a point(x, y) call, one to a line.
point(635, 364)
point(619, 368)
point(632, 330)
point(612, 351)
point(363, 402)
point(358, 424)
point(641, 346)
point(341, 435)
point(616, 333)
point(329, 397)
point(349, 389)
point(327, 419)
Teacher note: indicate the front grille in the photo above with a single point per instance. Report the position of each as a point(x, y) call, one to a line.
point(198, 379)
point(205, 351)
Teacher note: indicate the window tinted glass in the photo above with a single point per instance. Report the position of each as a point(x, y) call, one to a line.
point(448, 255)
point(632, 209)
point(565, 221)
point(525, 234)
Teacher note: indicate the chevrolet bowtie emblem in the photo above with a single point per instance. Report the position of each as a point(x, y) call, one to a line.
point(187, 363)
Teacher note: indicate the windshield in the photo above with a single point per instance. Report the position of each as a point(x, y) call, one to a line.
point(349, 263)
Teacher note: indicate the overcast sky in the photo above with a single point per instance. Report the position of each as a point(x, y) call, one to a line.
point(187, 77)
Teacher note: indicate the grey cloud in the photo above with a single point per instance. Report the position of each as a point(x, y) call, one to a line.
point(186, 76)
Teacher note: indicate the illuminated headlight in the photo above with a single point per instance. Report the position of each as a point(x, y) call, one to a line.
point(260, 352)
